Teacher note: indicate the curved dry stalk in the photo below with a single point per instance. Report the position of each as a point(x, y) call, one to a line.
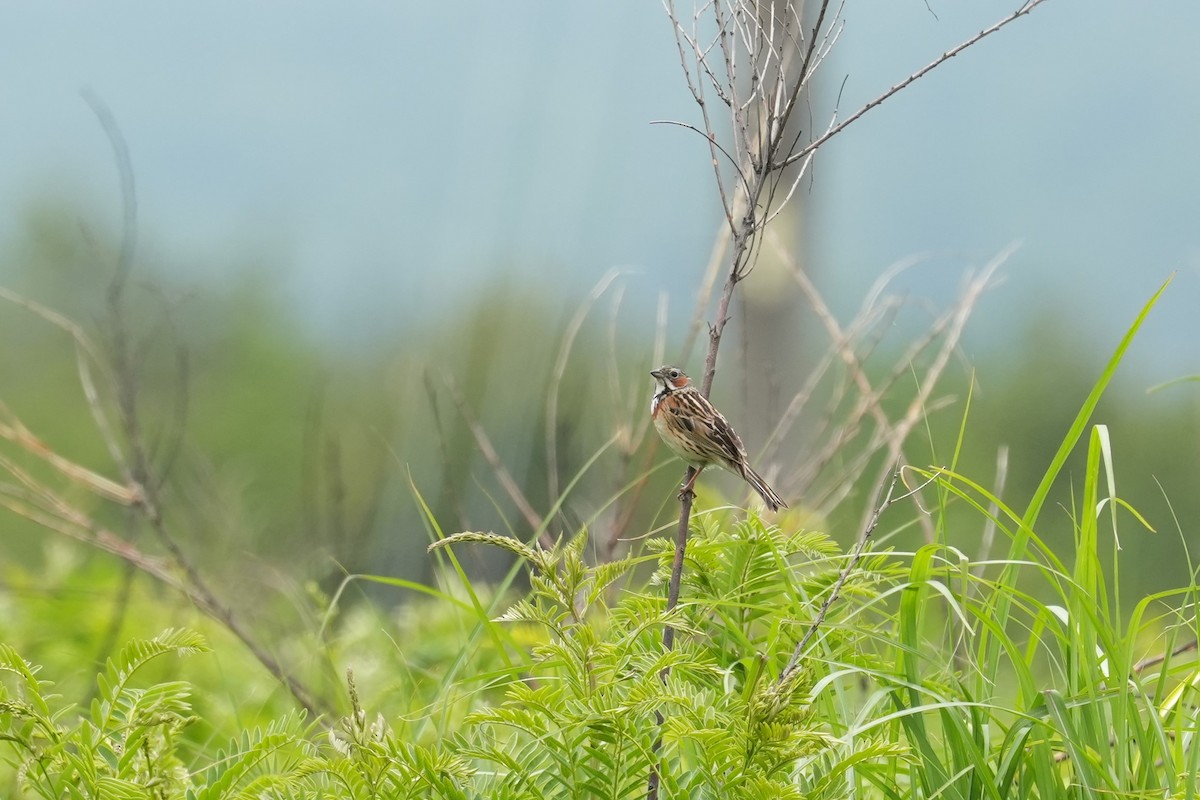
point(556, 377)
point(86, 352)
point(16, 432)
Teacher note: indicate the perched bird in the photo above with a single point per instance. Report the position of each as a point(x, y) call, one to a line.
point(696, 432)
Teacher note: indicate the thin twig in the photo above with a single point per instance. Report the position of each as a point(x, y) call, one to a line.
point(668, 639)
point(859, 547)
point(785, 113)
point(937, 62)
point(1154, 661)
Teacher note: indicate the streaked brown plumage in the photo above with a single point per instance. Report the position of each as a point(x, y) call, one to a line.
point(696, 432)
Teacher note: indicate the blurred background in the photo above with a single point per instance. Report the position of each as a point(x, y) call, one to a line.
point(348, 212)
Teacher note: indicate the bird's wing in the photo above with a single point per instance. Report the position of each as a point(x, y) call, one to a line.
point(731, 443)
point(701, 419)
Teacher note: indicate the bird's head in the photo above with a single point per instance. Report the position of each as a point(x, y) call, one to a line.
point(670, 378)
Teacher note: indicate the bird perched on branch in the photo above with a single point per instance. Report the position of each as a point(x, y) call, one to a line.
point(696, 432)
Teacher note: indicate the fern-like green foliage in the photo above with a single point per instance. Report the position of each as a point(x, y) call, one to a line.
point(362, 759)
point(125, 747)
point(605, 704)
point(601, 707)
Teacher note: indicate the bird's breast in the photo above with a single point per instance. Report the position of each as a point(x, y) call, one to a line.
point(654, 403)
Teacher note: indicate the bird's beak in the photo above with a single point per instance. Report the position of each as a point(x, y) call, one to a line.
point(656, 373)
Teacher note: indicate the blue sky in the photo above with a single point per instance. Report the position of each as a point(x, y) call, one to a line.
point(379, 154)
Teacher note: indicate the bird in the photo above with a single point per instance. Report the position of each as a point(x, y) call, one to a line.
point(699, 434)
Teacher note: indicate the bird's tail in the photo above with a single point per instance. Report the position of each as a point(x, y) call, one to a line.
point(769, 497)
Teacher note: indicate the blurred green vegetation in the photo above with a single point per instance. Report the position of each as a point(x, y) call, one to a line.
point(290, 464)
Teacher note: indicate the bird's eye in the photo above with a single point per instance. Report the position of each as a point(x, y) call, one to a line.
point(674, 373)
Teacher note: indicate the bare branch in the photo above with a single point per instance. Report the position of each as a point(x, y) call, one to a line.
point(1029, 6)
point(1154, 661)
point(851, 565)
point(668, 640)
